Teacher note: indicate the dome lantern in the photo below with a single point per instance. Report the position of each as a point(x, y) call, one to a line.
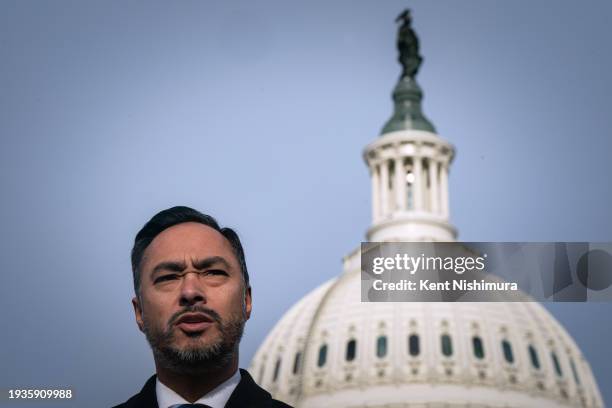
point(409, 163)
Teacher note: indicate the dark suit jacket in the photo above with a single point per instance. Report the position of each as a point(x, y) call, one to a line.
point(246, 395)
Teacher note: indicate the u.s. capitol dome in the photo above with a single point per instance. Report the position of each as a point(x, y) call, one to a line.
point(332, 350)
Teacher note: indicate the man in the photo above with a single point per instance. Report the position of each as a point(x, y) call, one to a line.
point(192, 300)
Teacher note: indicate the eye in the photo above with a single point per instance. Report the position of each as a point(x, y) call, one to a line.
point(165, 278)
point(218, 272)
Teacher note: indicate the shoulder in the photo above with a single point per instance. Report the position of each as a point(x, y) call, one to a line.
point(146, 398)
point(278, 404)
point(249, 394)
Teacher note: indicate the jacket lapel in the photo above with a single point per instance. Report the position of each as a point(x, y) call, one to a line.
point(146, 398)
point(248, 393)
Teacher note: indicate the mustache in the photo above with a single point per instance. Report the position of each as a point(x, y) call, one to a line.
point(195, 309)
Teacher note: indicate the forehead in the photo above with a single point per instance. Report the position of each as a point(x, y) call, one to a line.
point(188, 240)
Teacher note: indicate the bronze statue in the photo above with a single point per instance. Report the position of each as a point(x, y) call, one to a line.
point(408, 46)
point(407, 95)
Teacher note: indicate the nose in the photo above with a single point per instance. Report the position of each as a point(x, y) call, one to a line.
point(191, 290)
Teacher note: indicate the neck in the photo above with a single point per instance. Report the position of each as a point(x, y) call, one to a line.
point(192, 386)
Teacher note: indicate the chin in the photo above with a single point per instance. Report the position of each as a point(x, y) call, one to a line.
point(203, 338)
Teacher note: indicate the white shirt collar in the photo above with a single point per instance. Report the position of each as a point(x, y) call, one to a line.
point(216, 398)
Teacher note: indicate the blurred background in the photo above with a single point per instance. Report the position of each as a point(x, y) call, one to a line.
point(257, 113)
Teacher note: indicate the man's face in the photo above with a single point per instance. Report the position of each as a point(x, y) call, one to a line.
point(193, 302)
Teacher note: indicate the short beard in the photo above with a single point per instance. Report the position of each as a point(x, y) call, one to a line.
point(199, 359)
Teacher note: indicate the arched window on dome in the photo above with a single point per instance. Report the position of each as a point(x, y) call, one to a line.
point(322, 355)
point(507, 349)
point(447, 345)
point(297, 362)
point(351, 350)
point(575, 372)
point(478, 347)
point(533, 356)
point(413, 345)
point(555, 361)
point(381, 346)
point(261, 372)
point(276, 370)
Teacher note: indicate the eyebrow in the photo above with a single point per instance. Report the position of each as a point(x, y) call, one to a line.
point(199, 264)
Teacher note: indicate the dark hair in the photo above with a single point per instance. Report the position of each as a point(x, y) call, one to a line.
point(178, 215)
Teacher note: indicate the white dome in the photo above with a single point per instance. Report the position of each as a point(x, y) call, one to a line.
point(489, 363)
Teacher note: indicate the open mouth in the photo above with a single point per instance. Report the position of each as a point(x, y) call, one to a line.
point(194, 322)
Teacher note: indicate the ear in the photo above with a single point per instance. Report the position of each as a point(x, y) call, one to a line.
point(138, 313)
point(248, 302)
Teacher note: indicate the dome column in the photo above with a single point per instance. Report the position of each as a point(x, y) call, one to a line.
point(433, 186)
point(400, 183)
point(444, 189)
point(384, 191)
point(375, 193)
point(417, 186)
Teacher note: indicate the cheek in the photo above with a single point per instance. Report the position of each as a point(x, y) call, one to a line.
point(235, 301)
point(155, 312)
